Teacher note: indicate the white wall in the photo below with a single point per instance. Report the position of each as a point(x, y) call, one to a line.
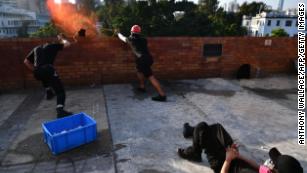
point(258, 26)
point(291, 30)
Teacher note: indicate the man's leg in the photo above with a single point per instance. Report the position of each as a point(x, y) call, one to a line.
point(145, 68)
point(42, 75)
point(141, 78)
point(155, 83)
point(48, 90)
point(56, 84)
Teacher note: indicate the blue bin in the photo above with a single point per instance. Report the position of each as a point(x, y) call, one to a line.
point(69, 132)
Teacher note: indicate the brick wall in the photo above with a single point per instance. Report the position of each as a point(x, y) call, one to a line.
point(107, 60)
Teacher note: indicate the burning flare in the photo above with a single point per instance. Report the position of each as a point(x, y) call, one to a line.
point(70, 18)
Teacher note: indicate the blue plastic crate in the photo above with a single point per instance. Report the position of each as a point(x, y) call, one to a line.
point(69, 132)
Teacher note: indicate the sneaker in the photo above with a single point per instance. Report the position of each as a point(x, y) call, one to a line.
point(63, 113)
point(159, 98)
point(189, 154)
point(187, 130)
point(49, 94)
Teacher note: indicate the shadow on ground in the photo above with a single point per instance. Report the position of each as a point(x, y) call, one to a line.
point(36, 147)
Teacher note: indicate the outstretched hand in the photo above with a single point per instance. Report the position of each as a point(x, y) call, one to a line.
point(231, 153)
point(116, 31)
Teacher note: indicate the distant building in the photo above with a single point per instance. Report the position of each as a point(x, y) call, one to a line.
point(233, 6)
point(291, 11)
point(262, 24)
point(37, 6)
point(12, 3)
point(280, 5)
point(12, 20)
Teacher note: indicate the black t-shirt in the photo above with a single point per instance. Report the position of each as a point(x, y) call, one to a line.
point(44, 54)
point(139, 46)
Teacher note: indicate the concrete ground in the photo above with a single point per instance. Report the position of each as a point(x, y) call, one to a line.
point(137, 135)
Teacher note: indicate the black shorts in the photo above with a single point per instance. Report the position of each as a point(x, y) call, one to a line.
point(143, 65)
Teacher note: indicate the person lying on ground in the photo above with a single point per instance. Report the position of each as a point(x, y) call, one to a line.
point(214, 140)
point(223, 155)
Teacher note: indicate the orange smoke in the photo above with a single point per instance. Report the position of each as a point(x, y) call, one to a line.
point(69, 19)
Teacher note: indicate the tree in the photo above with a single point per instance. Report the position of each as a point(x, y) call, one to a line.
point(208, 6)
point(88, 5)
point(279, 32)
point(251, 9)
point(49, 30)
point(158, 18)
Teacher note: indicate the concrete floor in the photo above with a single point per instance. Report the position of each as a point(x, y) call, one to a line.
point(137, 135)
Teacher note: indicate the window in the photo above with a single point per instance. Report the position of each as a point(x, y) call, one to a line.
point(269, 22)
point(212, 50)
point(296, 23)
point(288, 23)
point(278, 23)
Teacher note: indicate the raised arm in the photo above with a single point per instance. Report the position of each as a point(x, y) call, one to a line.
point(231, 154)
point(63, 41)
point(121, 37)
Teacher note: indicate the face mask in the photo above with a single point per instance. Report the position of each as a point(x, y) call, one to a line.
point(267, 167)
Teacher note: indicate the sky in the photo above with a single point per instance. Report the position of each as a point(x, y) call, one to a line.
point(273, 3)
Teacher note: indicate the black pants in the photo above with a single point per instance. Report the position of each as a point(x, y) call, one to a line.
point(214, 140)
point(49, 78)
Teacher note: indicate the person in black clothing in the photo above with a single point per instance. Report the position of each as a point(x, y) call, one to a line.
point(143, 61)
point(216, 141)
point(40, 61)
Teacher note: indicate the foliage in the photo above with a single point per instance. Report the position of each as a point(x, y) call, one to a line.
point(157, 18)
point(49, 30)
point(251, 9)
point(279, 32)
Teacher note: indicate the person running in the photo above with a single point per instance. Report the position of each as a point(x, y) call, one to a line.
point(143, 60)
point(40, 61)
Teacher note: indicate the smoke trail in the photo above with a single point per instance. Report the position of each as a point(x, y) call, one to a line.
point(69, 18)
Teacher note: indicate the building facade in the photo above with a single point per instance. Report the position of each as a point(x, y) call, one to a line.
point(13, 21)
point(12, 3)
point(262, 24)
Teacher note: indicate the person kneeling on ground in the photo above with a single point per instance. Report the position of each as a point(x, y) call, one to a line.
point(143, 60)
point(223, 155)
